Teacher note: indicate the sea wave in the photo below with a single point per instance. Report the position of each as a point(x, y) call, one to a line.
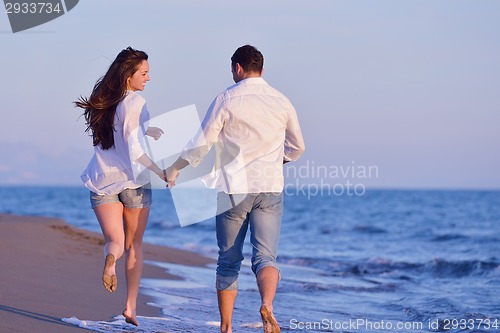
point(436, 267)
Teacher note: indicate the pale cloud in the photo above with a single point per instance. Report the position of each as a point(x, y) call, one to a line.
point(28, 175)
point(32, 163)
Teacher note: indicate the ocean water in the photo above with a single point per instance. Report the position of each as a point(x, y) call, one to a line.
point(386, 261)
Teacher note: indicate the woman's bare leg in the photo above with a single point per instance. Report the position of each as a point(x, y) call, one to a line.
point(110, 217)
point(135, 221)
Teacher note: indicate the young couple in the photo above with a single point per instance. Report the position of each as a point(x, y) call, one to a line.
point(250, 116)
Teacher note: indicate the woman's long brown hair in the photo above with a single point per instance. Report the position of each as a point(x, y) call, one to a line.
point(100, 107)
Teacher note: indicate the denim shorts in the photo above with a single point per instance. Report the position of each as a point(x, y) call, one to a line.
point(130, 197)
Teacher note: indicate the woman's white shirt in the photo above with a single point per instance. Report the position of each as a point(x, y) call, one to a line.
point(113, 170)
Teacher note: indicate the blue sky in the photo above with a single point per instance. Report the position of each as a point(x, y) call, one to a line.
point(410, 87)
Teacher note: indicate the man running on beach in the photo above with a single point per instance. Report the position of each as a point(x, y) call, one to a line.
point(256, 131)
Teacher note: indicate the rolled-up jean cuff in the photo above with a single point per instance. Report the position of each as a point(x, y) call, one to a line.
point(267, 264)
point(223, 282)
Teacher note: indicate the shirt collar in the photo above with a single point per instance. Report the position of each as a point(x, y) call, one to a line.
point(253, 80)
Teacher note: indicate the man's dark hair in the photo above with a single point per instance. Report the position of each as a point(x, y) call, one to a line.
point(249, 58)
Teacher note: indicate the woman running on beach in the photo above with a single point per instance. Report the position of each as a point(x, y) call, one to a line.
point(120, 189)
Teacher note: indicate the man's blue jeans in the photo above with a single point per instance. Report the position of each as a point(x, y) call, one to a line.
point(262, 212)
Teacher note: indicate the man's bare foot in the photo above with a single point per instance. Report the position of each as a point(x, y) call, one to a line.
point(270, 323)
point(109, 275)
point(130, 318)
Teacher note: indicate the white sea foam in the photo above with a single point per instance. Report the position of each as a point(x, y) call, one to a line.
point(253, 325)
point(118, 325)
point(75, 321)
point(213, 323)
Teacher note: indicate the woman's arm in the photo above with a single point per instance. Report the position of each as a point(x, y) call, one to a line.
point(148, 163)
point(135, 137)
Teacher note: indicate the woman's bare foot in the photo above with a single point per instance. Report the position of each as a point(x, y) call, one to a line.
point(130, 317)
point(270, 323)
point(109, 275)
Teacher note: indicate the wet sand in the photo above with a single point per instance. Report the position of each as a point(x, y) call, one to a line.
point(50, 270)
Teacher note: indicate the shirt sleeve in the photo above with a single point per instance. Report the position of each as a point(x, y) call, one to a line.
point(133, 131)
point(208, 134)
point(294, 142)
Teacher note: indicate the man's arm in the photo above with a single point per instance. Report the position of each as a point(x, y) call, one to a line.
point(294, 142)
point(197, 148)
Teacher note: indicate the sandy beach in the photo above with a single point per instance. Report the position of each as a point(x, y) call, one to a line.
point(51, 270)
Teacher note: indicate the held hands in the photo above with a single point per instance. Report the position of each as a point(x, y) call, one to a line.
point(163, 176)
point(172, 172)
point(155, 133)
point(171, 175)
